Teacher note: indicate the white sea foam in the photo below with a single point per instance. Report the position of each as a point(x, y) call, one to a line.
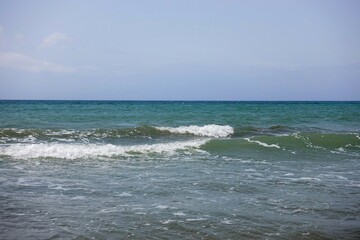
point(161, 206)
point(60, 132)
point(79, 198)
point(179, 214)
point(125, 194)
point(211, 130)
point(226, 221)
point(195, 219)
point(75, 151)
point(167, 221)
point(307, 179)
point(357, 135)
point(262, 143)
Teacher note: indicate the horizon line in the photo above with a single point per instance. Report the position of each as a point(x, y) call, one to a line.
point(180, 100)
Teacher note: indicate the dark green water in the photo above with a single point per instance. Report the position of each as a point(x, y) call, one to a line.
point(179, 170)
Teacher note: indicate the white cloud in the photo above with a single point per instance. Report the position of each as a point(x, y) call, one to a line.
point(54, 39)
point(22, 62)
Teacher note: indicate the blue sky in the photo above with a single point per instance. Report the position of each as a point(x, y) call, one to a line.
point(180, 50)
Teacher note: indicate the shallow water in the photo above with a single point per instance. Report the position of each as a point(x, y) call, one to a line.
point(173, 170)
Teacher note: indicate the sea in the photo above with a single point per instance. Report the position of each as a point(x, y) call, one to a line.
point(179, 170)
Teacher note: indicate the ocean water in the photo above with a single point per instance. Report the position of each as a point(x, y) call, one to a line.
point(179, 170)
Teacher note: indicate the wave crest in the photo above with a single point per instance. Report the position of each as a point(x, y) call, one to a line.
point(211, 130)
point(13, 135)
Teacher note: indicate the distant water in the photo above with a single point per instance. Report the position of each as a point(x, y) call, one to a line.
point(179, 170)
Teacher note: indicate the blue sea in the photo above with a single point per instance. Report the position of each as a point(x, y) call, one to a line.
point(179, 170)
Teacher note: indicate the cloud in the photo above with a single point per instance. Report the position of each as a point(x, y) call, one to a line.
point(55, 39)
point(22, 62)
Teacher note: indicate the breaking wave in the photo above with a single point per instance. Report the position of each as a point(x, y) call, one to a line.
point(211, 130)
point(14, 135)
point(75, 144)
point(149, 140)
point(76, 151)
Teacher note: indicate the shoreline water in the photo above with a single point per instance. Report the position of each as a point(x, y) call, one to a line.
point(110, 170)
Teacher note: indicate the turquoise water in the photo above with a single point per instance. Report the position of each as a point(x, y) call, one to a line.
point(179, 170)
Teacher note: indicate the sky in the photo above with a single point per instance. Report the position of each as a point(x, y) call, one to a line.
point(180, 50)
